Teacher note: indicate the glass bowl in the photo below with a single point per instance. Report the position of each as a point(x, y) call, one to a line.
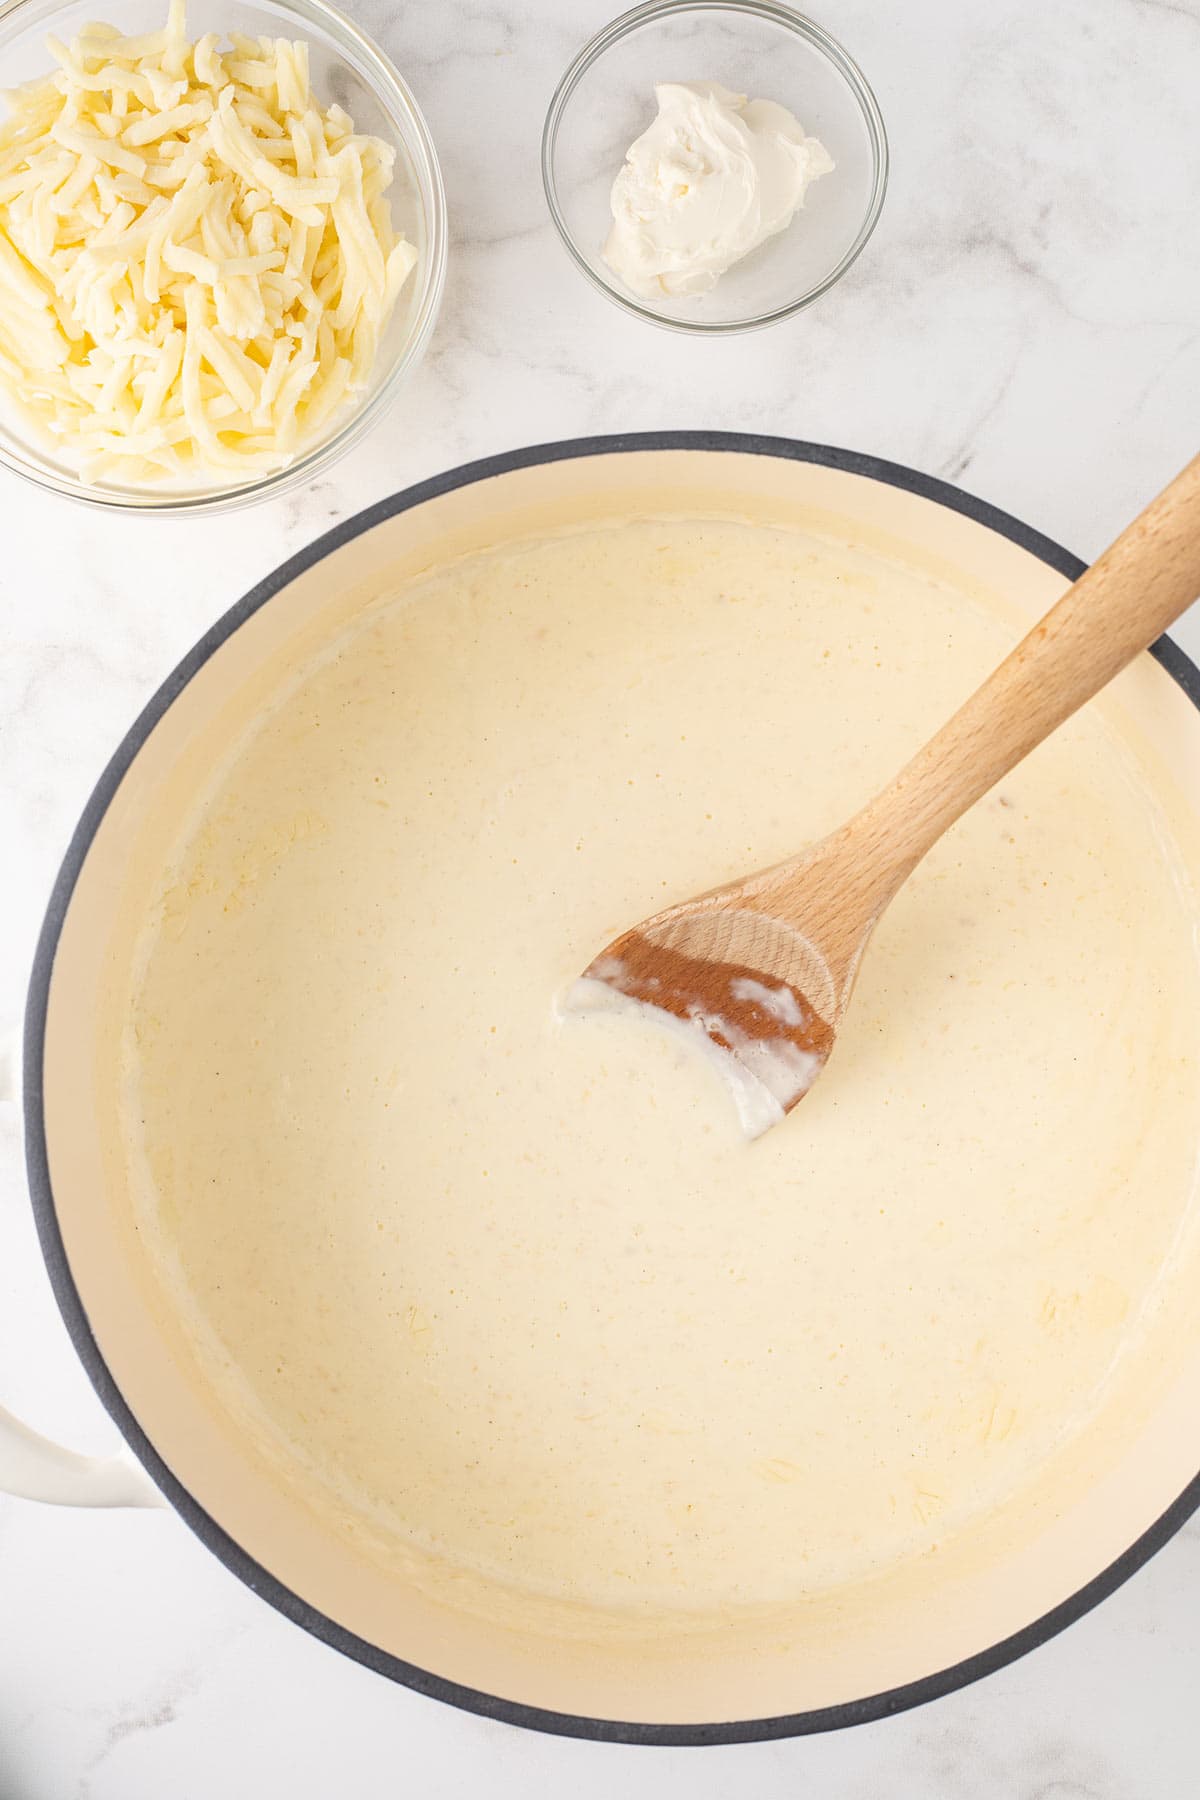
point(347, 68)
point(606, 99)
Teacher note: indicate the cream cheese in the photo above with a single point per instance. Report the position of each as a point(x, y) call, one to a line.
point(711, 179)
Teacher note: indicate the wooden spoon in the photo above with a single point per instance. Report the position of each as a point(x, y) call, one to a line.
point(762, 970)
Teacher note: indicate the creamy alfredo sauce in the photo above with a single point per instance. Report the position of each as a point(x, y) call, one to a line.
point(513, 1287)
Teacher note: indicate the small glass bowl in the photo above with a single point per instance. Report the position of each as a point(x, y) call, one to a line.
point(606, 99)
point(346, 67)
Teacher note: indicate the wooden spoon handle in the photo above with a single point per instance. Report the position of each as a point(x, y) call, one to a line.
point(1116, 609)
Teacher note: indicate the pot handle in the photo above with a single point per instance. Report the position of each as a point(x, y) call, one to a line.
point(33, 1467)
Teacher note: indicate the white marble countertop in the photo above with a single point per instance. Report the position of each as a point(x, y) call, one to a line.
point(1027, 322)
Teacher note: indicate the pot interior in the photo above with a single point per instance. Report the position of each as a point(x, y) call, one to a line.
point(709, 1652)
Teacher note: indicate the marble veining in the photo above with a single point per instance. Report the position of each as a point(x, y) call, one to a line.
point(1027, 321)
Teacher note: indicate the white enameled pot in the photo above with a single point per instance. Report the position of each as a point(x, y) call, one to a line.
point(914, 1637)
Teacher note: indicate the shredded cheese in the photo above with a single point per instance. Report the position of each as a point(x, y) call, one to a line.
point(196, 262)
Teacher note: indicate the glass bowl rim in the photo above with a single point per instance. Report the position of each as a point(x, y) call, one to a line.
point(388, 83)
point(776, 14)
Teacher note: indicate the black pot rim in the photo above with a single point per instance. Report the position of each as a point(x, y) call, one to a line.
point(829, 1718)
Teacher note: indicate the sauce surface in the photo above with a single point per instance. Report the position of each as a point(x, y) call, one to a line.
point(510, 1283)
